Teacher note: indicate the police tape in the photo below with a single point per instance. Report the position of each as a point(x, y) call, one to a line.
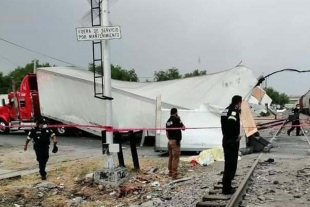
point(111, 129)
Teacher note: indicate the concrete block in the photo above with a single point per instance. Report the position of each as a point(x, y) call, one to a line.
point(210, 204)
point(11, 175)
point(215, 197)
point(111, 177)
point(214, 192)
point(216, 187)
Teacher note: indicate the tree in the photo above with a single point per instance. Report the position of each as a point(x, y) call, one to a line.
point(170, 74)
point(18, 74)
point(117, 73)
point(195, 73)
point(277, 98)
point(173, 73)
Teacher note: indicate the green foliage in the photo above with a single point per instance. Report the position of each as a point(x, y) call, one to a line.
point(170, 74)
point(277, 98)
point(195, 73)
point(117, 73)
point(18, 74)
point(173, 73)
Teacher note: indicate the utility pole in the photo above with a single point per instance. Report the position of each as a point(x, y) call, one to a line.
point(34, 66)
point(107, 79)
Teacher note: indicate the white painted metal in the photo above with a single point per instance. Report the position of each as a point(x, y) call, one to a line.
point(98, 33)
point(107, 70)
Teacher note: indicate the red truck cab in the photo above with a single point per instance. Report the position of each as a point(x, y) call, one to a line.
point(23, 106)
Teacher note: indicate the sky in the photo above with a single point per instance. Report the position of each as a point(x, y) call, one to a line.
point(267, 35)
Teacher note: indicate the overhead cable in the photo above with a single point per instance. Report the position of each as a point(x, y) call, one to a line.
point(17, 45)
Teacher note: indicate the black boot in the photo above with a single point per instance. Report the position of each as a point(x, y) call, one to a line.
point(228, 192)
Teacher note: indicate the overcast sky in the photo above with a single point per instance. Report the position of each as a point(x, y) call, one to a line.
point(267, 35)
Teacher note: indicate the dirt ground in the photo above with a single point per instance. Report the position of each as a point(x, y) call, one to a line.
point(66, 184)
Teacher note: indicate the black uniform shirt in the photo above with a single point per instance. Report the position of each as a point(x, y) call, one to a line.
point(230, 122)
point(42, 139)
point(174, 122)
point(296, 113)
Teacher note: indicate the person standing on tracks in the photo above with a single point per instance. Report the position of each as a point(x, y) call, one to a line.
point(230, 124)
point(174, 144)
point(296, 112)
point(41, 144)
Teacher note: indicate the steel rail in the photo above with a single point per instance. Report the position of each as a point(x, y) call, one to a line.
point(241, 190)
point(237, 196)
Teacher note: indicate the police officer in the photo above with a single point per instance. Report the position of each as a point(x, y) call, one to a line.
point(41, 144)
point(230, 122)
point(174, 144)
point(296, 121)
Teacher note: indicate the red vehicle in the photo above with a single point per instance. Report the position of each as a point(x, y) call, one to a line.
point(23, 107)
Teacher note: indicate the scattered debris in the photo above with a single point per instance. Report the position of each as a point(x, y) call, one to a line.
point(180, 180)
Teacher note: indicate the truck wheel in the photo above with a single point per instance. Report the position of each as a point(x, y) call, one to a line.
point(61, 131)
point(3, 127)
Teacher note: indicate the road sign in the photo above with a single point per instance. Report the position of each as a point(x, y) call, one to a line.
point(98, 33)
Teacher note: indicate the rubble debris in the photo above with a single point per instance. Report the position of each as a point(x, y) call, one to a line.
point(124, 191)
point(40, 194)
point(179, 180)
point(141, 179)
point(89, 177)
point(155, 184)
point(78, 200)
point(153, 170)
point(270, 160)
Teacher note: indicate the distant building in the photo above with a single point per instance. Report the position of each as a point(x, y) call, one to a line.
point(293, 101)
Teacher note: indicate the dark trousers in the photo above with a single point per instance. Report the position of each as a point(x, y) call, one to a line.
point(42, 153)
point(231, 161)
point(293, 127)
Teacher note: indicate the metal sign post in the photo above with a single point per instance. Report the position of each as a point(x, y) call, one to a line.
point(103, 32)
point(107, 78)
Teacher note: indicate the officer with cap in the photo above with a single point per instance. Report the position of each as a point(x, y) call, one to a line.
point(230, 122)
point(41, 144)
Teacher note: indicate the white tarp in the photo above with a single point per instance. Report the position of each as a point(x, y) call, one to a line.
point(205, 117)
point(66, 94)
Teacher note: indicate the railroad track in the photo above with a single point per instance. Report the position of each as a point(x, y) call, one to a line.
point(242, 182)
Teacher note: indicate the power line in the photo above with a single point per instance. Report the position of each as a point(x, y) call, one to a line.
point(17, 45)
point(263, 78)
point(9, 60)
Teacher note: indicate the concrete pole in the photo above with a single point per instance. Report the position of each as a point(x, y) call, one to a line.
point(34, 66)
point(107, 78)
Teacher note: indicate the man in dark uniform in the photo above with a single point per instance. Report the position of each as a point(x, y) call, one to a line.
point(41, 144)
point(230, 122)
point(296, 121)
point(174, 144)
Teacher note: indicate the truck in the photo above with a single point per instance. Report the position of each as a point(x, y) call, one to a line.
point(65, 96)
point(23, 108)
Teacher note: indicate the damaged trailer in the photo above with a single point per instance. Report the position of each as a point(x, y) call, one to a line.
point(66, 94)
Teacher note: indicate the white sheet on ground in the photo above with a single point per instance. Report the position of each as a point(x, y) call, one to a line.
point(207, 157)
